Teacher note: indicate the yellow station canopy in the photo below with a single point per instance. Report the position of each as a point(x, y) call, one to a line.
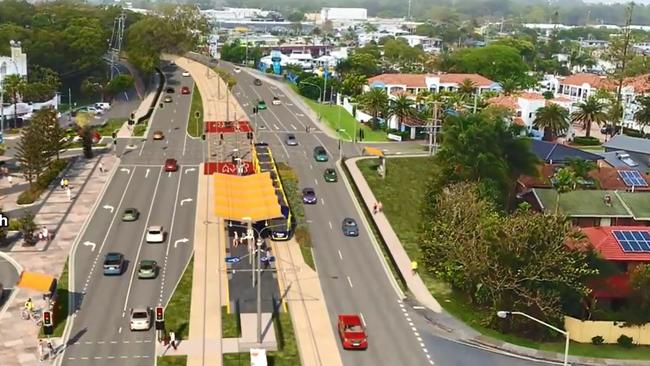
point(253, 196)
point(373, 151)
point(36, 281)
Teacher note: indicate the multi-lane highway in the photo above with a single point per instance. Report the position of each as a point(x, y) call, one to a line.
point(351, 271)
point(99, 332)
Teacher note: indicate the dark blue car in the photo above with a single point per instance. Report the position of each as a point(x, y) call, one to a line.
point(113, 264)
point(309, 196)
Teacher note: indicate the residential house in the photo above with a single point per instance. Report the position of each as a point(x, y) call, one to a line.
point(414, 83)
point(525, 106)
point(15, 64)
point(637, 148)
point(580, 86)
point(556, 153)
point(429, 44)
point(623, 160)
point(593, 208)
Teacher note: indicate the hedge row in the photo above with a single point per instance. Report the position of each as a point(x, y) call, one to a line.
point(43, 181)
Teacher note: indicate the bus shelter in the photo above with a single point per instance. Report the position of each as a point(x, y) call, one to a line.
point(250, 197)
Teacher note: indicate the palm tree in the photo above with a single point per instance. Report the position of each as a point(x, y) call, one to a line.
point(509, 86)
point(374, 101)
point(642, 115)
point(590, 111)
point(564, 180)
point(553, 119)
point(401, 108)
point(14, 86)
point(467, 87)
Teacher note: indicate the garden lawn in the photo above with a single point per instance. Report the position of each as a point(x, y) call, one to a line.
point(348, 123)
point(400, 194)
point(177, 313)
point(110, 126)
point(287, 354)
point(140, 129)
point(194, 125)
point(172, 361)
point(230, 324)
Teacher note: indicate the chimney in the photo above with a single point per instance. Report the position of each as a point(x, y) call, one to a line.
point(607, 200)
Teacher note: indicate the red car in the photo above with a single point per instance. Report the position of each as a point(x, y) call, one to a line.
point(171, 165)
point(352, 332)
point(185, 90)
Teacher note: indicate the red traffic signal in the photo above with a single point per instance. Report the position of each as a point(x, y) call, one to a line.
point(160, 314)
point(47, 318)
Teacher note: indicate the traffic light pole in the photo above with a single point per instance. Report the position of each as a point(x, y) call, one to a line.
point(259, 289)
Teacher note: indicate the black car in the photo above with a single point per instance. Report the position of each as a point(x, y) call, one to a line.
point(610, 130)
point(257, 82)
point(309, 196)
point(170, 90)
point(349, 227)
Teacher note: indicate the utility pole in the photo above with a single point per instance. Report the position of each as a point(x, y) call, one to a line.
point(69, 104)
point(475, 101)
point(2, 108)
point(409, 12)
point(433, 136)
point(259, 289)
point(627, 35)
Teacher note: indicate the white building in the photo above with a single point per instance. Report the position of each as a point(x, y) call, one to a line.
point(411, 84)
point(15, 64)
point(525, 105)
point(233, 13)
point(342, 14)
point(428, 44)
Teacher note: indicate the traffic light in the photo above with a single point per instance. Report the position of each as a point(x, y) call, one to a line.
point(255, 110)
point(203, 137)
point(132, 115)
point(160, 314)
point(47, 318)
point(114, 135)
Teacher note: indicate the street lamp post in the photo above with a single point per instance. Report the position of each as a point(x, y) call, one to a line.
point(504, 314)
point(320, 91)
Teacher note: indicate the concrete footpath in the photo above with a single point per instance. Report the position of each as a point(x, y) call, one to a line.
point(18, 337)
point(301, 290)
point(455, 329)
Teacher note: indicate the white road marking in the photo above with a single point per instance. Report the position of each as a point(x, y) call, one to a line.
point(92, 249)
point(137, 256)
point(185, 199)
point(363, 320)
point(110, 357)
point(276, 126)
point(142, 148)
point(419, 339)
point(330, 224)
point(311, 167)
point(169, 130)
point(408, 318)
point(171, 231)
point(184, 142)
point(416, 334)
point(146, 174)
point(340, 255)
point(169, 174)
point(422, 345)
point(294, 127)
point(101, 342)
point(350, 281)
point(119, 331)
point(322, 201)
point(315, 181)
point(125, 170)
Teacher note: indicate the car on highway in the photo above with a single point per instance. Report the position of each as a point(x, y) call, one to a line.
point(185, 90)
point(155, 234)
point(237, 69)
point(113, 264)
point(130, 214)
point(140, 319)
point(103, 106)
point(257, 82)
point(352, 332)
point(350, 227)
point(291, 140)
point(261, 105)
point(171, 165)
point(276, 101)
point(185, 74)
point(330, 175)
point(309, 196)
point(170, 90)
point(147, 269)
point(168, 99)
point(320, 154)
point(158, 135)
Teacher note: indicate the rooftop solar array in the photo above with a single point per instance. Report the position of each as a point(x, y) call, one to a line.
point(633, 241)
point(632, 178)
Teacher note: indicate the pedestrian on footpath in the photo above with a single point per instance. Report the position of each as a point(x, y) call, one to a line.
point(69, 193)
point(414, 267)
point(10, 180)
point(172, 340)
point(62, 183)
point(50, 350)
point(374, 208)
point(235, 240)
point(41, 350)
point(66, 183)
point(380, 207)
point(101, 167)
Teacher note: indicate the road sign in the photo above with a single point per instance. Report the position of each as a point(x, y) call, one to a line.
point(233, 259)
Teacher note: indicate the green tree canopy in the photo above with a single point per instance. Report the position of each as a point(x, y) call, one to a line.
point(553, 119)
point(497, 62)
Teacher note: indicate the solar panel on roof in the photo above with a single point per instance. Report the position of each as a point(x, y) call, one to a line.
point(632, 178)
point(633, 241)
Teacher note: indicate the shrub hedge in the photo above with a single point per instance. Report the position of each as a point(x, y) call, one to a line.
point(41, 184)
point(586, 141)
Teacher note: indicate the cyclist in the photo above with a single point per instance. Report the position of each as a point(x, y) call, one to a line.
point(29, 305)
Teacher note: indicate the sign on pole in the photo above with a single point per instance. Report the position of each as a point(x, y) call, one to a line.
point(232, 259)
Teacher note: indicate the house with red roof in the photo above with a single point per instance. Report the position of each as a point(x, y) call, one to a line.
point(412, 84)
point(524, 106)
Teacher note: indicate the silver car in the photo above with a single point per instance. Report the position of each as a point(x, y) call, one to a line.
point(291, 140)
point(140, 319)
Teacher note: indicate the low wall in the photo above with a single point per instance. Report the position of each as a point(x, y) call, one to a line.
point(583, 331)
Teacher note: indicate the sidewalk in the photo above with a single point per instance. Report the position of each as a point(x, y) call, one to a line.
point(455, 328)
point(18, 338)
point(301, 289)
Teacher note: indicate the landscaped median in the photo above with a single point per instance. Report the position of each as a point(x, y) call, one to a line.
point(41, 184)
point(195, 124)
point(406, 181)
point(61, 306)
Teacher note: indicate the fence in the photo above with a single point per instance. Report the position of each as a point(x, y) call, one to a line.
point(583, 331)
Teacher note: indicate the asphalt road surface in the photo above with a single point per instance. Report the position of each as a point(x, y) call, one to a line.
point(8, 279)
point(100, 332)
point(352, 276)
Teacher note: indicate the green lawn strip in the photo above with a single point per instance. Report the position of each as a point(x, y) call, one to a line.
point(60, 312)
point(406, 181)
point(194, 125)
point(172, 361)
point(348, 123)
point(301, 233)
point(139, 129)
point(79, 145)
point(287, 353)
point(110, 126)
point(177, 313)
point(230, 324)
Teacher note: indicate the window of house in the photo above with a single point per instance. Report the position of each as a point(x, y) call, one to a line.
point(518, 113)
point(530, 115)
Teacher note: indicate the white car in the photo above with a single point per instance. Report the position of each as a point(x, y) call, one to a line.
point(103, 106)
point(140, 319)
point(237, 70)
point(186, 74)
point(276, 101)
point(155, 234)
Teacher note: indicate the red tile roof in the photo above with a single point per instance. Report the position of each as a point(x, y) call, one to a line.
point(603, 241)
point(609, 179)
point(413, 122)
point(640, 83)
point(410, 80)
point(595, 81)
point(460, 78)
point(508, 101)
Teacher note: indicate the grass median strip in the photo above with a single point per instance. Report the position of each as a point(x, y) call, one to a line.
point(177, 313)
point(230, 324)
point(60, 313)
point(110, 126)
point(172, 361)
point(194, 125)
point(406, 180)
